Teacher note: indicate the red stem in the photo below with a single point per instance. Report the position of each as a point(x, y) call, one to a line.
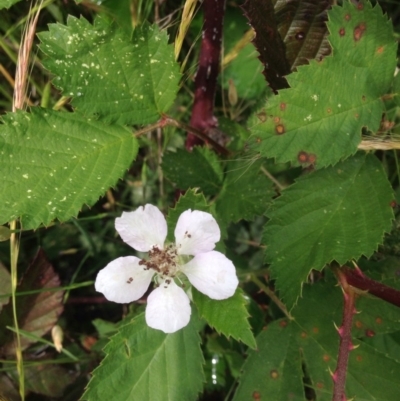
point(346, 344)
point(357, 279)
point(206, 77)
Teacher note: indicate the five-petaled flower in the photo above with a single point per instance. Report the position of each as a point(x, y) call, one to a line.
point(126, 279)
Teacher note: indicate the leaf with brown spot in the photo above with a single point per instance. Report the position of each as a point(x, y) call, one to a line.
point(37, 313)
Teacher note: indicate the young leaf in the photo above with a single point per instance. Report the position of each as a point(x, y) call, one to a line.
point(338, 213)
point(37, 313)
point(198, 169)
point(229, 316)
point(108, 74)
point(54, 162)
point(245, 193)
point(318, 121)
point(273, 372)
point(146, 364)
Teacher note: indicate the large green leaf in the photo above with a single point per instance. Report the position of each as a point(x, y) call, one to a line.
point(229, 316)
point(338, 213)
point(130, 81)
point(246, 192)
point(311, 341)
point(318, 120)
point(52, 163)
point(146, 364)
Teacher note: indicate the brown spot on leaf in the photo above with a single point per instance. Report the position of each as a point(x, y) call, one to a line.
point(256, 395)
point(274, 374)
point(379, 50)
point(282, 106)
point(302, 157)
point(359, 358)
point(378, 320)
point(283, 323)
point(320, 385)
point(277, 120)
point(303, 334)
point(347, 17)
point(329, 110)
point(258, 140)
point(370, 333)
point(312, 158)
point(363, 97)
point(326, 358)
point(262, 116)
point(359, 31)
point(342, 31)
point(360, 6)
point(358, 324)
point(315, 330)
point(280, 129)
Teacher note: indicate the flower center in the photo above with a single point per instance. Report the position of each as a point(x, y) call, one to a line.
point(163, 261)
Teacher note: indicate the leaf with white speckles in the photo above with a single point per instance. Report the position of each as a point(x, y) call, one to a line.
point(129, 81)
point(337, 213)
point(318, 120)
point(52, 163)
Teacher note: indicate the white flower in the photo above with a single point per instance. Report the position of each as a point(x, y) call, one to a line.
point(126, 279)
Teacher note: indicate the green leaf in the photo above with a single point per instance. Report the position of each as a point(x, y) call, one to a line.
point(310, 343)
point(318, 120)
point(273, 372)
point(338, 213)
point(122, 80)
point(7, 3)
point(229, 316)
point(246, 192)
point(54, 162)
point(200, 168)
point(190, 200)
point(36, 313)
point(146, 364)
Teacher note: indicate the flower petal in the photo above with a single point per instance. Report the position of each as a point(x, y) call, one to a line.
point(123, 280)
point(168, 308)
point(213, 274)
point(142, 229)
point(196, 232)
